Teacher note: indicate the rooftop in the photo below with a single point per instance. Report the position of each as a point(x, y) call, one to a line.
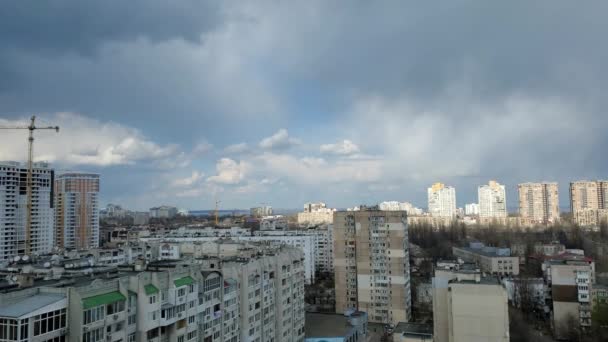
point(29, 304)
point(414, 329)
point(326, 325)
point(482, 281)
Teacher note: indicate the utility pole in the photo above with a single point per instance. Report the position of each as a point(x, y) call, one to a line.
point(30, 165)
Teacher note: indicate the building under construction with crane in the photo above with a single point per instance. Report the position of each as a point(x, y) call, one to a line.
point(14, 238)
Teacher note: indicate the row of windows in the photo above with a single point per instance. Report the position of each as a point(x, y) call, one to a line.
point(49, 321)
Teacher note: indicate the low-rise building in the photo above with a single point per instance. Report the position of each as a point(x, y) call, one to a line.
point(492, 260)
point(164, 211)
point(570, 278)
point(351, 327)
point(413, 332)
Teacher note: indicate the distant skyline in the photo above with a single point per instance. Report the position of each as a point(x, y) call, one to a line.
point(285, 103)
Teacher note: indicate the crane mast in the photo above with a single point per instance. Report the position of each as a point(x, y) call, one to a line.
point(29, 180)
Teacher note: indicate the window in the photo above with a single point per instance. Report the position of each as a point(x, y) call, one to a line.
point(180, 338)
point(192, 335)
point(132, 319)
point(93, 315)
point(152, 299)
point(49, 321)
point(93, 335)
point(181, 292)
point(191, 288)
point(8, 329)
point(115, 307)
point(191, 319)
point(131, 338)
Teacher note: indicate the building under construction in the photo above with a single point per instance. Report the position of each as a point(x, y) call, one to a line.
point(13, 209)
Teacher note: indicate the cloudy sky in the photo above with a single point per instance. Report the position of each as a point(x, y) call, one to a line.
point(284, 102)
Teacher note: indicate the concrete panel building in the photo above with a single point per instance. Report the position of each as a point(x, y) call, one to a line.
point(13, 210)
point(539, 202)
point(491, 260)
point(442, 200)
point(492, 200)
point(589, 202)
point(468, 307)
point(251, 297)
point(77, 210)
point(372, 264)
point(315, 214)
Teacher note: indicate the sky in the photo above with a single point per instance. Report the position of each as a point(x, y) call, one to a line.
point(287, 102)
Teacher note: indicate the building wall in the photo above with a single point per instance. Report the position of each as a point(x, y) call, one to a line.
point(13, 210)
point(477, 312)
point(77, 210)
point(442, 200)
point(539, 202)
point(372, 264)
point(492, 200)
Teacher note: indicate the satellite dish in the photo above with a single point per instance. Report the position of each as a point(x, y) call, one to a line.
point(17, 258)
point(47, 264)
point(26, 258)
point(14, 278)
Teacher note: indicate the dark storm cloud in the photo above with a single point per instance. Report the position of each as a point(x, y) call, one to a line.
point(461, 91)
point(64, 26)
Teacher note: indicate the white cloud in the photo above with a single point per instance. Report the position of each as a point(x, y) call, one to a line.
point(316, 171)
point(279, 140)
point(202, 148)
point(84, 141)
point(345, 147)
point(237, 148)
point(229, 171)
point(188, 181)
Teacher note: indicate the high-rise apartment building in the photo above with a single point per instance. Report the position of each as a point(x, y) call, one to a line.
point(589, 202)
point(471, 209)
point(442, 200)
point(539, 202)
point(77, 210)
point(315, 214)
point(13, 209)
point(492, 200)
point(246, 297)
point(371, 262)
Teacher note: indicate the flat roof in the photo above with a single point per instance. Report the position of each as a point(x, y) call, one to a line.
point(413, 329)
point(484, 253)
point(326, 325)
point(29, 304)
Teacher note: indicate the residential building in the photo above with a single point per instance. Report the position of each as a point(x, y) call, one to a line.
point(492, 200)
point(305, 243)
point(468, 307)
point(492, 260)
point(400, 206)
point(164, 211)
point(113, 211)
point(14, 237)
point(589, 202)
point(261, 211)
point(257, 295)
point(315, 214)
point(526, 289)
point(371, 262)
point(539, 202)
point(471, 209)
point(350, 327)
point(442, 200)
point(549, 249)
point(77, 210)
point(588, 195)
point(276, 222)
point(570, 278)
point(141, 218)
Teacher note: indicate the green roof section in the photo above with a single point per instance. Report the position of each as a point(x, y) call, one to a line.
point(103, 299)
point(150, 289)
point(183, 281)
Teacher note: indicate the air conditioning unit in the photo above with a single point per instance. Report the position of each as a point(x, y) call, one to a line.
point(115, 317)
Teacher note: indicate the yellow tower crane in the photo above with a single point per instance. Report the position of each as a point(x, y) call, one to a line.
point(28, 223)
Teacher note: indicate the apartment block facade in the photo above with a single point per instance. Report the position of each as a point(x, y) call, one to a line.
point(468, 307)
point(589, 202)
point(13, 210)
point(258, 299)
point(77, 210)
point(442, 200)
point(492, 200)
point(491, 260)
point(372, 264)
point(539, 202)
